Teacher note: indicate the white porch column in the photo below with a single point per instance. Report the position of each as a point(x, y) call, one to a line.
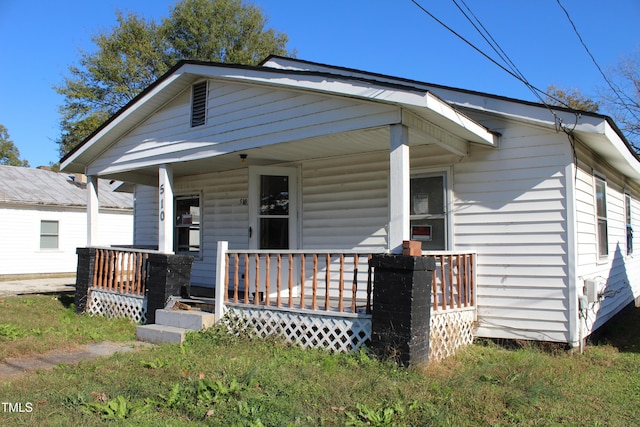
point(221, 285)
point(399, 181)
point(165, 209)
point(93, 208)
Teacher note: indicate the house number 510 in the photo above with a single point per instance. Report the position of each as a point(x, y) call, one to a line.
point(162, 202)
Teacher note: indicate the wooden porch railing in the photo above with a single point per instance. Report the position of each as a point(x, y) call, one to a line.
point(121, 270)
point(453, 280)
point(337, 281)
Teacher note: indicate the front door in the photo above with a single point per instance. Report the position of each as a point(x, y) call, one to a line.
point(273, 208)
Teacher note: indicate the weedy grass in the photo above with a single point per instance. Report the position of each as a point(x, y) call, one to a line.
point(218, 379)
point(35, 324)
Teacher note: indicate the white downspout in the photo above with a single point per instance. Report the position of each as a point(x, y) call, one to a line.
point(575, 328)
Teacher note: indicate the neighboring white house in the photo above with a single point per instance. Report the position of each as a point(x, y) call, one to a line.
point(43, 219)
point(297, 155)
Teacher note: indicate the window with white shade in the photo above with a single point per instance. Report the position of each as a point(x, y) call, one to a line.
point(601, 213)
point(49, 234)
point(627, 209)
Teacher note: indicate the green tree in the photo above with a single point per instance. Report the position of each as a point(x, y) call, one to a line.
point(128, 59)
point(136, 52)
point(222, 31)
point(570, 98)
point(9, 153)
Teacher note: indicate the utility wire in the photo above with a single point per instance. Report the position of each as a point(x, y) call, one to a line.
point(515, 74)
point(463, 39)
point(496, 47)
point(611, 85)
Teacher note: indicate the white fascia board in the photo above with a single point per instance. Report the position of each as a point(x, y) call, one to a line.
point(625, 155)
point(448, 112)
point(358, 89)
point(126, 113)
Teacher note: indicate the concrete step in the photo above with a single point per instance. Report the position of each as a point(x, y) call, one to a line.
point(193, 320)
point(160, 334)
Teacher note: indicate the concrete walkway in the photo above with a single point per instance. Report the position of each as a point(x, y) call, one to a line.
point(13, 367)
point(44, 285)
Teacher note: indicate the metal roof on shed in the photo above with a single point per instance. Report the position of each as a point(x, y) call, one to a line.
point(20, 185)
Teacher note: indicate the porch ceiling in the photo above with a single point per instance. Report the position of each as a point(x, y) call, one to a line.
point(335, 145)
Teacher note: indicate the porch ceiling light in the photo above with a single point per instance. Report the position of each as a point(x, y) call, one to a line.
point(243, 159)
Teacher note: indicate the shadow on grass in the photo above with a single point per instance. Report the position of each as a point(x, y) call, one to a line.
point(66, 299)
point(621, 331)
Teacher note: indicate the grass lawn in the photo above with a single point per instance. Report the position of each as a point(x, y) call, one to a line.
point(216, 379)
point(38, 323)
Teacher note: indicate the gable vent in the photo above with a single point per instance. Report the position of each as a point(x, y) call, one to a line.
point(198, 104)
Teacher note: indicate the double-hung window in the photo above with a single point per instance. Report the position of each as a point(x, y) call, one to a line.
point(49, 234)
point(187, 225)
point(627, 209)
point(428, 206)
point(601, 213)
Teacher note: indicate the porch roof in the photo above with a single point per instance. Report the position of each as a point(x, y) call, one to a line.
point(597, 131)
point(424, 113)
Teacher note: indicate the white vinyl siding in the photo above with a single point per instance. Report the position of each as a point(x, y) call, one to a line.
point(240, 116)
point(345, 202)
point(146, 216)
point(509, 206)
point(617, 271)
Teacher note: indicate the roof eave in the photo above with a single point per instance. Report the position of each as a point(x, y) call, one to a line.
point(184, 73)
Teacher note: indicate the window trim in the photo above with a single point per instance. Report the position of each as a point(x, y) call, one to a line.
point(56, 235)
point(176, 227)
point(602, 248)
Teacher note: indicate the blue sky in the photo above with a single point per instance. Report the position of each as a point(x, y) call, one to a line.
point(39, 39)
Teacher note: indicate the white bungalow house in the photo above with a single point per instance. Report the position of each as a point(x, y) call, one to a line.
point(298, 155)
point(43, 219)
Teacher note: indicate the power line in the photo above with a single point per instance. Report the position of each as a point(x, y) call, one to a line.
point(463, 39)
point(611, 85)
point(495, 46)
point(514, 73)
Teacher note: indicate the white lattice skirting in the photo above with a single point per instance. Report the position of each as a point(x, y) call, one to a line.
point(113, 304)
point(337, 333)
point(450, 330)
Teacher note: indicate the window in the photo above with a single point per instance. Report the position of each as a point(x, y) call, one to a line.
point(601, 213)
point(274, 212)
point(428, 211)
point(198, 104)
point(187, 226)
point(49, 235)
point(627, 208)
